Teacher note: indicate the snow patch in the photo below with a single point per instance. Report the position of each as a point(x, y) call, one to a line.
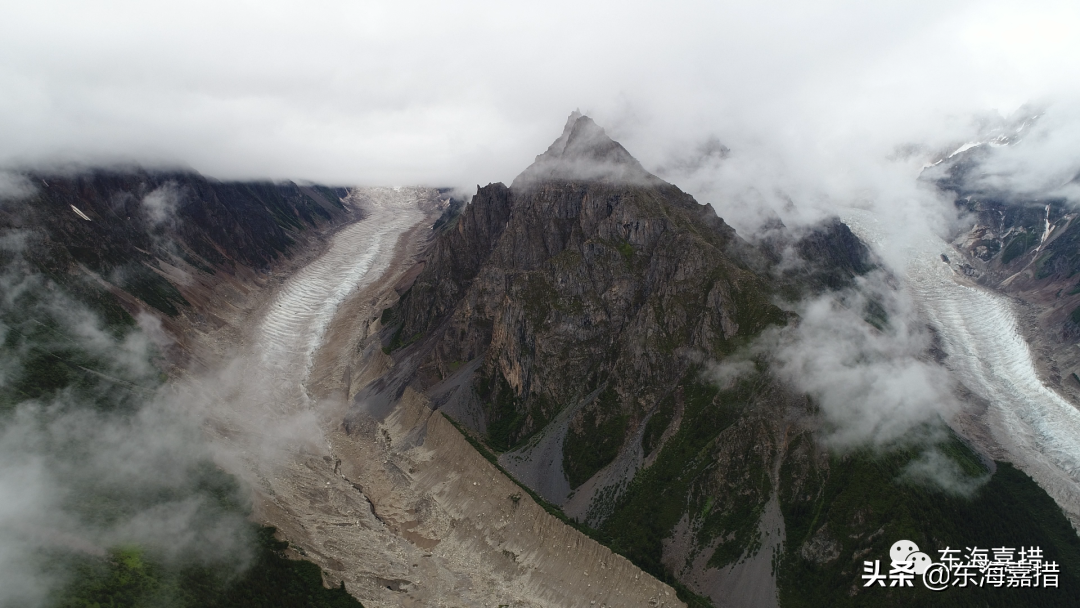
point(80, 213)
point(965, 148)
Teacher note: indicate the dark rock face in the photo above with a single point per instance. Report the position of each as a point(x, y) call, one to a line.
point(824, 257)
point(456, 258)
point(581, 321)
point(575, 273)
point(834, 256)
point(1009, 233)
point(122, 226)
point(580, 309)
point(80, 257)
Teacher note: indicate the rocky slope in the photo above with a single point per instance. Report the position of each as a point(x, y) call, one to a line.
point(601, 280)
point(567, 317)
point(399, 507)
point(574, 322)
point(1012, 263)
point(590, 324)
point(260, 332)
point(170, 243)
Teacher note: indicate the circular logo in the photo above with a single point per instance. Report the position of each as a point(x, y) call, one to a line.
point(901, 549)
point(921, 560)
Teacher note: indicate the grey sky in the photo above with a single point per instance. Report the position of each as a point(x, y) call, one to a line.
point(466, 92)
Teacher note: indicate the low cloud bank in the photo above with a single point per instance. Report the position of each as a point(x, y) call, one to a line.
point(422, 92)
point(97, 452)
point(862, 356)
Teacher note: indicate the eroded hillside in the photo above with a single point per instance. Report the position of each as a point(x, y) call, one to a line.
point(604, 332)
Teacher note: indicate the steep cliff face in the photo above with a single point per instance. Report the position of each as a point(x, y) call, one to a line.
point(113, 222)
point(603, 280)
point(1008, 238)
point(575, 322)
point(568, 319)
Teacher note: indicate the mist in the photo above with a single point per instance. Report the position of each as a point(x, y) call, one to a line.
point(98, 453)
point(775, 109)
point(871, 378)
point(425, 93)
point(764, 110)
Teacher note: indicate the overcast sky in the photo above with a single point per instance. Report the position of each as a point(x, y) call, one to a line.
point(460, 93)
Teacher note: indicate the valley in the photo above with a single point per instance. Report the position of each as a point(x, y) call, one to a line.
point(540, 305)
point(401, 509)
point(584, 389)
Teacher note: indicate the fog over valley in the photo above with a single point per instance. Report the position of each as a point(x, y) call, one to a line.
point(405, 304)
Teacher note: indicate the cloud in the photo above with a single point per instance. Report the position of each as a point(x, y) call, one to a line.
point(110, 458)
point(724, 373)
point(938, 470)
point(872, 382)
point(862, 356)
point(1040, 161)
point(14, 186)
point(161, 203)
point(424, 92)
point(779, 108)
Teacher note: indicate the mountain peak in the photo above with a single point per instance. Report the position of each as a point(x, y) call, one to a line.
point(584, 152)
point(559, 145)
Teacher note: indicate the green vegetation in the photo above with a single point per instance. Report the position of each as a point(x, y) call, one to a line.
point(1044, 265)
point(657, 424)
point(658, 495)
point(754, 313)
point(512, 420)
point(389, 317)
point(44, 356)
point(867, 499)
point(627, 251)
point(515, 498)
point(505, 419)
point(150, 287)
point(68, 353)
point(735, 526)
point(597, 442)
point(868, 502)
point(1018, 245)
point(692, 599)
point(876, 315)
point(539, 298)
point(715, 470)
point(131, 577)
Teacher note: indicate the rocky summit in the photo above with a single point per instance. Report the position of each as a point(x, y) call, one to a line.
point(572, 324)
point(608, 282)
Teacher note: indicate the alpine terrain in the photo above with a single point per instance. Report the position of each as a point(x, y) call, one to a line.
point(581, 389)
